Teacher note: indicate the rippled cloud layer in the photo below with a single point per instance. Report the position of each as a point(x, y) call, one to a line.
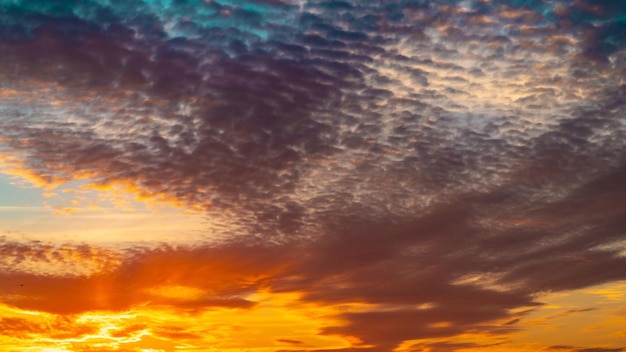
point(426, 169)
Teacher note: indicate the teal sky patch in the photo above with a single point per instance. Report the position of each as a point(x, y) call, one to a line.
point(17, 194)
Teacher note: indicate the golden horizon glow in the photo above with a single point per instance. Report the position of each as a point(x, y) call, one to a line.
point(170, 328)
point(166, 317)
point(282, 319)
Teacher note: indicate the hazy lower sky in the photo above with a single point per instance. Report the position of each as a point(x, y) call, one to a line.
point(312, 175)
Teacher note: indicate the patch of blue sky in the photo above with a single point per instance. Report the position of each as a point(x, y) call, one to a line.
point(206, 17)
point(16, 193)
point(244, 21)
point(256, 7)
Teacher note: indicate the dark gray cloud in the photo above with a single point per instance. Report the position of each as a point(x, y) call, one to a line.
point(575, 349)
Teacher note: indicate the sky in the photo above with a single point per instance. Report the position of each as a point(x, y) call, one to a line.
point(313, 175)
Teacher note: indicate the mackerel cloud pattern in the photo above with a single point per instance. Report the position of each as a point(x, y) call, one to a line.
point(481, 136)
point(296, 114)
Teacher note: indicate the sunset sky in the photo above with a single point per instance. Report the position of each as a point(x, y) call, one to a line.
point(313, 175)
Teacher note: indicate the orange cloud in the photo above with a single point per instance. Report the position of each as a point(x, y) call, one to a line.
point(242, 296)
point(410, 177)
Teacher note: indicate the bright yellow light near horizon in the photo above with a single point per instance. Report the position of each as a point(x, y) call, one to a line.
point(7, 310)
point(589, 317)
point(592, 316)
point(611, 292)
point(276, 318)
point(280, 317)
point(177, 292)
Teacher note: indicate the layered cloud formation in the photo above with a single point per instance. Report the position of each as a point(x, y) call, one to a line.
point(435, 166)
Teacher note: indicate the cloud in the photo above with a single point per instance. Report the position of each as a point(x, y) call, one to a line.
point(445, 346)
point(407, 273)
point(290, 342)
point(56, 328)
point(574, 349)
point(189, 279)
point(36, 257)
point(403, 273)
point(440, 164)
